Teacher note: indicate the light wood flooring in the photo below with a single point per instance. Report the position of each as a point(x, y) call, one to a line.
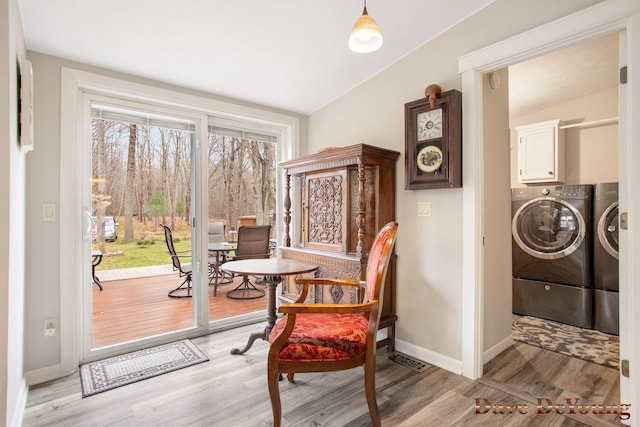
point(232, 391)
point(139, 307)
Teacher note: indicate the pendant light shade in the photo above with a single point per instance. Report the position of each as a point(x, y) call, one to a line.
point(366, 35)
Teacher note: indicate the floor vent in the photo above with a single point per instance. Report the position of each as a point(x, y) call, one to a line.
point(409, 361)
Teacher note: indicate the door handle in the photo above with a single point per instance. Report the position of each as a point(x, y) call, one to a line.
point(88, 226)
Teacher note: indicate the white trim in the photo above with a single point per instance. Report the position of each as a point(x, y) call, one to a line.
point(498, 348)
point(69, 226)
point(472, 227)
point(629, 157)
point(73, 84)
point(601, 19)
point(48, 373)
point(598, 20)
point(140, 92)
point(20, 405)
point(431, 357)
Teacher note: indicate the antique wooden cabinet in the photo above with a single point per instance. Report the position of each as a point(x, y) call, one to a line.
point(335, 203)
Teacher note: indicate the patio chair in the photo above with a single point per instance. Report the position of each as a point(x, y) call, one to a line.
point(216, 232)
point(332, 337)
point(253, 243)
point(184, 270)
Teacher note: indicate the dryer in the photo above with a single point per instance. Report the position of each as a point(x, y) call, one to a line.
point(605, 258)
point(551, 253)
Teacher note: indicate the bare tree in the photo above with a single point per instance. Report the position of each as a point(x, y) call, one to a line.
point(129, 184)
point(262, 172)
point(100, 199)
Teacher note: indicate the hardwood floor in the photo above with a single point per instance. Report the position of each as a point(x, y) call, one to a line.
point(232, 391)
point(134, 308)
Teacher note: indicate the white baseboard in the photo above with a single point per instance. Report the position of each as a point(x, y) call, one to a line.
point(497, 349)
point(431, 357)
point(53, 372)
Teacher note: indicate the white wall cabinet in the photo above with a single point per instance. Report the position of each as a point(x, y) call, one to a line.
point(540, 152)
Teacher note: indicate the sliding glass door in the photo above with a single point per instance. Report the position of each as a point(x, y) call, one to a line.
point(241, 166)
point(142, 178)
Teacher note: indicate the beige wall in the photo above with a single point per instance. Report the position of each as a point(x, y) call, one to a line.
point(591, 153)
point(429, 249)
point(12, 222)
point(497, 211)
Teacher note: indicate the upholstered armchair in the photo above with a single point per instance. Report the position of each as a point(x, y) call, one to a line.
point(332, 337)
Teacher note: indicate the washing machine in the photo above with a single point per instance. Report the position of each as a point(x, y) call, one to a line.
point(551, 253)
point(605, 258)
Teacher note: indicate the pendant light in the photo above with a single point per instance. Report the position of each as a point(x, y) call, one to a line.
point(366, 35)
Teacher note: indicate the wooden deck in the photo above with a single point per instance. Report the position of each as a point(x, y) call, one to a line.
point(134, 308)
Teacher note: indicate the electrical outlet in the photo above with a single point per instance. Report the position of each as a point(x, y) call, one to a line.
point(424, 208)
point(50, 327)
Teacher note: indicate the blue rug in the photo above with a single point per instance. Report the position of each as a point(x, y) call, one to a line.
point(117, 371)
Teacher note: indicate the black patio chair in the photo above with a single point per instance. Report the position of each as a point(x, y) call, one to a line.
point(184, 270)
point(253, 243)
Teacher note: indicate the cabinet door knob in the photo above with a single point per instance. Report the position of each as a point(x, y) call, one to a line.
point(550, 172)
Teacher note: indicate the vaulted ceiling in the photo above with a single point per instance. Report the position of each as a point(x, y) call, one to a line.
point(287, 54)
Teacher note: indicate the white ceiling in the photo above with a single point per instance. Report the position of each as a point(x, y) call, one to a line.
point(566, 74)
point(288, 54)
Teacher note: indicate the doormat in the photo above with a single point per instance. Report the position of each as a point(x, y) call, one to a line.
point(409, 361)
point(586, 344)
point(117, 371)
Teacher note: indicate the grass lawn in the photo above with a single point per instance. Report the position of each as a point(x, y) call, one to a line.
point(149, 248)
point(127, 255)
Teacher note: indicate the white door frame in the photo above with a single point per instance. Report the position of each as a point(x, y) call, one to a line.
point(73, 82)
point(599, 20)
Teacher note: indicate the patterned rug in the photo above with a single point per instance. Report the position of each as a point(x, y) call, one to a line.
point(117, 371)
point(586, 344)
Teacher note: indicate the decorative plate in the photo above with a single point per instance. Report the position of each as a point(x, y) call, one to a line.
point(429, 159)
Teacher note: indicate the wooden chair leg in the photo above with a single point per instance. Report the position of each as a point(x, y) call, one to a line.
point(274, 394)
point(370, 390)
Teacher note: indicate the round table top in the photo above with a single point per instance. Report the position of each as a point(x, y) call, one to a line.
point(269, 267)
point(222, 246)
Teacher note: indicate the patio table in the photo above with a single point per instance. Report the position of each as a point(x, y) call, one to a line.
point(273, 270)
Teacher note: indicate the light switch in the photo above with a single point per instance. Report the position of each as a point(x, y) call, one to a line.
point(48, 212)
point(424, 208)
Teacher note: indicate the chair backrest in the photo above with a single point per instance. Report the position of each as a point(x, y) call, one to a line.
point(168, 238)
point(253, 242)
point(216, 232)
point(379, 260)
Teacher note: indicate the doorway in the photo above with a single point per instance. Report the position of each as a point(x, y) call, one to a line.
point(142, 177)
point(578, 86)
point(601, 19)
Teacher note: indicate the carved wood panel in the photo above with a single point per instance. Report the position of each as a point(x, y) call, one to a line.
point(325, 211)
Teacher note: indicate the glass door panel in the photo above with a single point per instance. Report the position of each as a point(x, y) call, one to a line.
point(141, 177)
point(242, 191)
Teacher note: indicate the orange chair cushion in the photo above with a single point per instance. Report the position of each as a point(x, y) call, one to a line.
point(323, 337)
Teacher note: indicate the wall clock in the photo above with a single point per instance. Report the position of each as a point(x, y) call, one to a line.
point(433, 140)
